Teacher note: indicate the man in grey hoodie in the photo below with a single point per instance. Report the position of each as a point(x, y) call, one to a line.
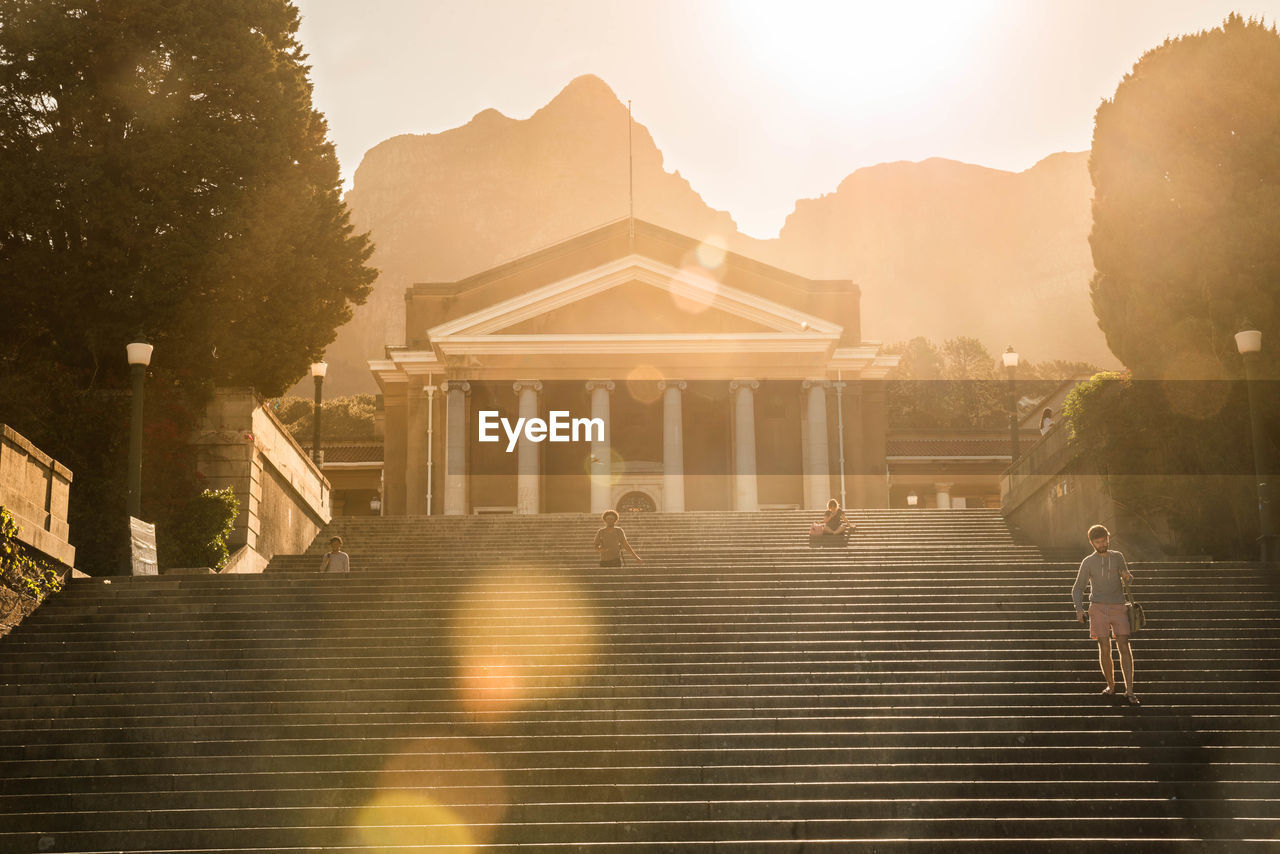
point(1103, 571)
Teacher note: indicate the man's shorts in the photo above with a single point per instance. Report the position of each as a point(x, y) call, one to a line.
point(1104, 620)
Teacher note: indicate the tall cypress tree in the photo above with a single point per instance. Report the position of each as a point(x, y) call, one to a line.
point(1186, 211)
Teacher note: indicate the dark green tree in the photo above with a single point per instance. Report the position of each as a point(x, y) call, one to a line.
point(1186, 245)
point(200, 531)
point(165, 175)
point(1186, 208)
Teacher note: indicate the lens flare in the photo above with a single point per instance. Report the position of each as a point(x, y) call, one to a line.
point(493, 684)
point(400, 819)
point(696, 294)
point(434, 793)
point(702, 269)
point(642, 383)
point(711, 253)
point(602, 472)
point(521, 637)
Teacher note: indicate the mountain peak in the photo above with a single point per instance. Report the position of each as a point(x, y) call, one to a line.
point(489, 116)
point(586, 88)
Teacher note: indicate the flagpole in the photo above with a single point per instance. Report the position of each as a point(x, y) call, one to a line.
point(631, 186)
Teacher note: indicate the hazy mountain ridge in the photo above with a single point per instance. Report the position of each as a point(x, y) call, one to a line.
point(940, 248)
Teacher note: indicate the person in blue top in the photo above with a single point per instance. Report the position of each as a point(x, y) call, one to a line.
point(1103, 571)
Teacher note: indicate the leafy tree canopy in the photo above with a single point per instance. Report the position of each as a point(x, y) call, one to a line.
point(165, 175)
point(960, 385)
point(341, 418)
point(1186, 210)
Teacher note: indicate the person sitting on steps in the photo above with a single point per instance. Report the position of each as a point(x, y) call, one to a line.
point(835, 523)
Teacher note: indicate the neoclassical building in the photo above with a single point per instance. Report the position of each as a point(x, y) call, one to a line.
point(721, 383)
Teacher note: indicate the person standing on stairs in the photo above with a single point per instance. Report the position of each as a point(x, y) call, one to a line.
point(335, 560)
point(1104, 571)
point(611, 540)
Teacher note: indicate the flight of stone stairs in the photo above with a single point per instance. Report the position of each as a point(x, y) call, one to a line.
point(771, 539)
point(479, 684)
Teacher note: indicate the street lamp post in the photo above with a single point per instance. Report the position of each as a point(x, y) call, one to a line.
point(139, 355)
point(1249, 343)
point(317, 370)
point(1011, 365)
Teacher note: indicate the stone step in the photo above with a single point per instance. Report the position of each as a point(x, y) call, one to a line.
point(776, 808)
point(339, 788)
point(789, 731)
point(697, 825)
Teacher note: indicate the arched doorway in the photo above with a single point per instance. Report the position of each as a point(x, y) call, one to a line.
point(636, 502)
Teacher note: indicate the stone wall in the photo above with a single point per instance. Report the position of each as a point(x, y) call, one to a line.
point(1054, 498)
point(36, 489)
point(284, 498)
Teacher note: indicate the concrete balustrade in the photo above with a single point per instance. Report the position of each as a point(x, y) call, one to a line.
point(36, 489)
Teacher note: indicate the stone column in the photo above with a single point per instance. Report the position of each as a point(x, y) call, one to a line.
point(875, 425)
point(396, 436)
point(942, 495)
point(415, 474)
point(431, 444)
point(746, 496)
point(817, 465)
point(455, 472)
point(526, 451)
point(672, 445)
point(601, 450)
point(855, 450)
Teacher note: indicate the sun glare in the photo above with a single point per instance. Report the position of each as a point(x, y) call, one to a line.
point(520, 637)
point(859, 53)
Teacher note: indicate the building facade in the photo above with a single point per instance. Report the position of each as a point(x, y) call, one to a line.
point(699, 379)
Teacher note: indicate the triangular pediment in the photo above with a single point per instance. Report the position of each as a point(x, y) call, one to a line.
point(635, 295)
point(636, 308)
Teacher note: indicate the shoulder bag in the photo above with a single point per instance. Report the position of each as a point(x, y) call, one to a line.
point(1137, 617)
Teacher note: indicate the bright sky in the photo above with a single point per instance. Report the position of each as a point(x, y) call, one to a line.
point(756, 102)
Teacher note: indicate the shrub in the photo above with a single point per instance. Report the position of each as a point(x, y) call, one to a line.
point(1177, 451)
point(199, 537)
point(20, 570)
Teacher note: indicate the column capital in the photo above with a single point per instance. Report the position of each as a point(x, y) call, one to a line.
point(520, 385)
point(676, 384)
point(608, 385)
point(816, 383)
point(456, 385)
point(744, 382)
